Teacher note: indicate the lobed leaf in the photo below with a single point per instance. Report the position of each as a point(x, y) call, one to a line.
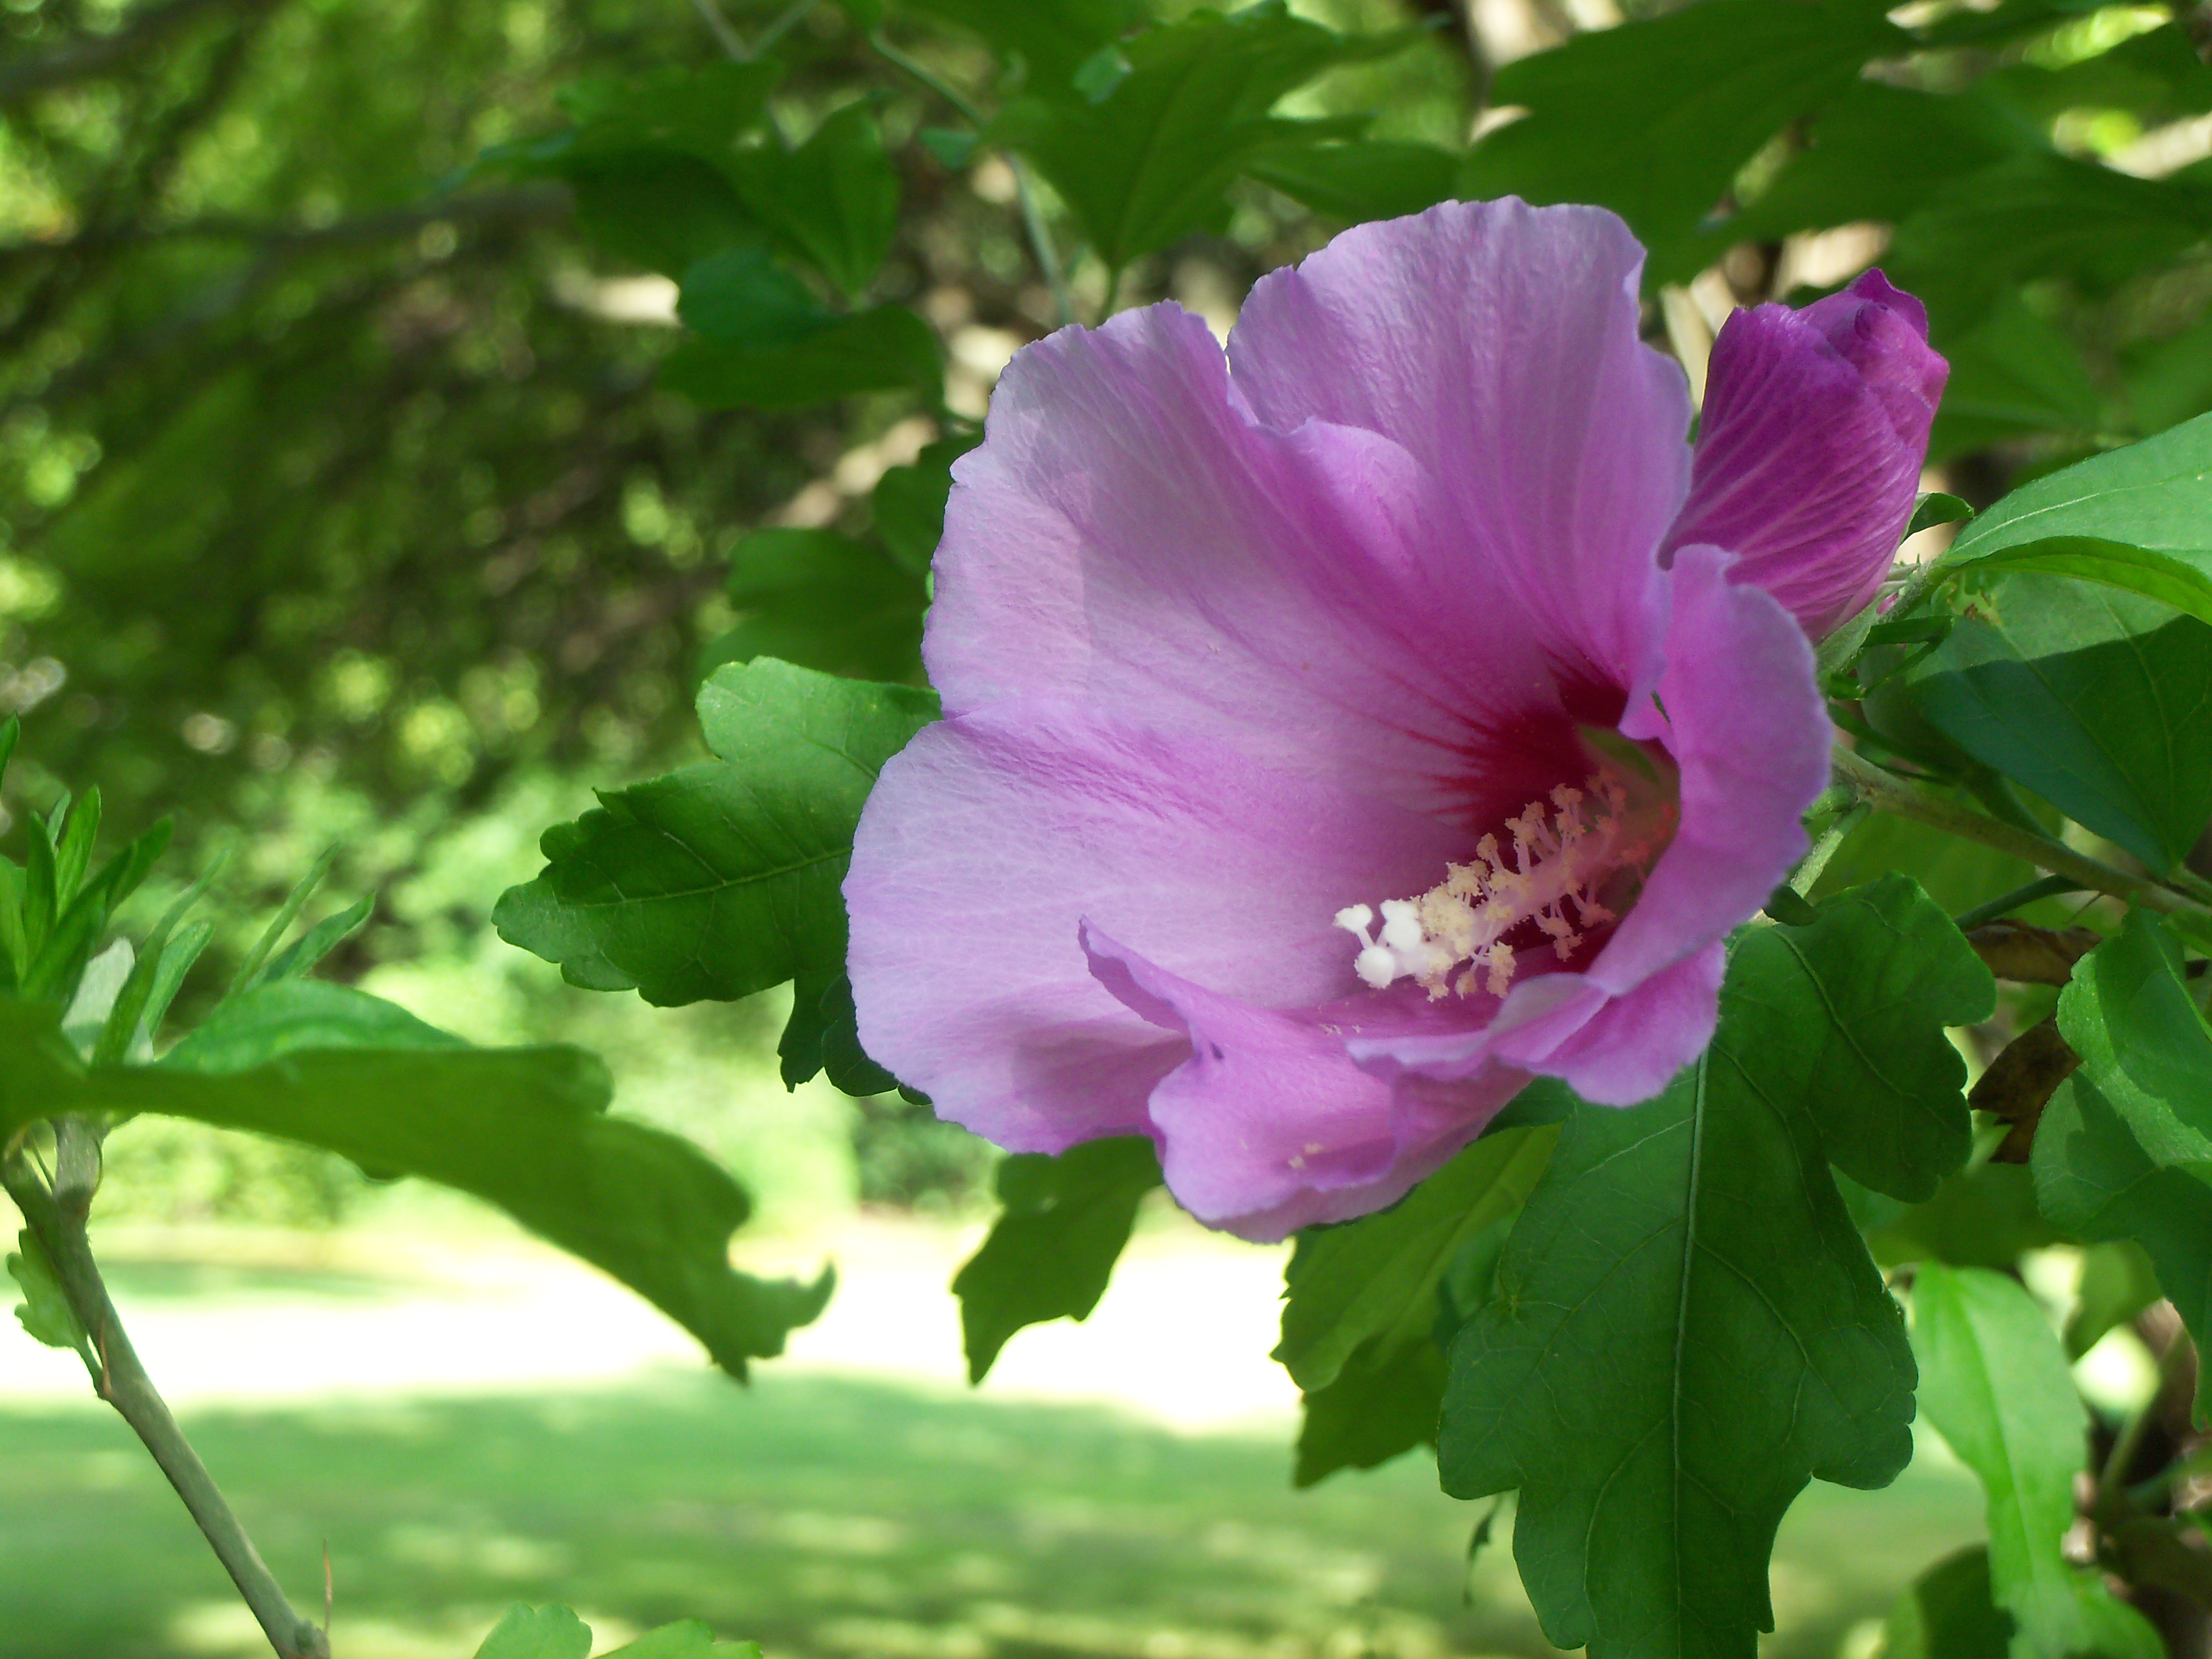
point(525, 1129)
point(1062, 1224)
point(720, 880)
point(1688, 1327)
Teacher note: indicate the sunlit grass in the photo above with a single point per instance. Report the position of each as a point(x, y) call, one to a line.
point(822, 1517)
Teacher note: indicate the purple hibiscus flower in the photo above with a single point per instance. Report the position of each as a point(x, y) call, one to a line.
point(1340, 735)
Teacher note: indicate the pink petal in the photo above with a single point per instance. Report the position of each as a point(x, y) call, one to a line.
point(1497, 343)
point(1127, 537)
point(1809, 451)
point(1268, 1126)
point(992, 836)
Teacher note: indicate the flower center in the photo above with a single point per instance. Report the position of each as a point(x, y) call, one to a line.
point(1564, 863)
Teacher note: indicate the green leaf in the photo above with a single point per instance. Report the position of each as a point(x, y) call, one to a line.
point(1366, 178)
point(1876, 978)
point(2035, 217)
point(2123, 1149)
point(738, 297)
point(699, 110)
point(1655, 118)
point(1061, 1225)
point(909, 502)
point(1994, 1383)
point(249, 971)
point(1148, 164)
point(58, 962)
point(537, 1634)
point(45, 1310)
point(723, 879)
point(842, 1060)
point(1948, 1613)
point(2099, 701)
point(2118, 1281)
point(822, 600)
point(687, 1640)
point(1382, 1404)
point(884, 348)
point(73, 851)
point(657, 210)
point(2013, 375)
point(1983, 1217)
point(525, 1129)
point(834, 201)
point(1687, 1326)
point(1052, 37)
point(1374, 1280)
point(301, 958)
point(2138, 517)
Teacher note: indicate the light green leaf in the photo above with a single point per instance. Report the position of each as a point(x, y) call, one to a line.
point(45, 1310)
point(2138, 517)
point(687, 1640)
point(1686, 1327)
point(301, 956)
point(1061, 1225)
point(1994, 1383)
point(537, 1634)
point(525, 1129)
point(721, 880)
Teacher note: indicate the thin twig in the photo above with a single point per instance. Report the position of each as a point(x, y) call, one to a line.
point(786, 21)
point(1815, 861)
point(98, 55)
point(1040, 237)
point(1886, 792)
point(731, 43)
point(57, 1219)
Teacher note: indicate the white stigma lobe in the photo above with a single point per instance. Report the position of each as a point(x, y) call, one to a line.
point(1560, 861)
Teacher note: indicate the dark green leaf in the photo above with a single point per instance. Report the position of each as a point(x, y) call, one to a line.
point(834, 201)
point(1933, 509)
point(1053, 38)
point(1382, 1403)
point(1376, 1278)
point(1686, 1327)
point(1994, 1383)
point(721, 880)
point(700, 109)
point(2013, 374)
point(659, 209)
point(822, 600)
point(57, 962)
point(846, 1066)
point(884, 349)
point(73, 851)
point(1061, 1225)
point(2156, 76)
point(1654, 118)
point(1948, 1614)
point(1868, 989)
point(738, 297)
point(525, 1129)
point(1366, 178)
point(909, 502)
point(2098, 699)
point(1984, 1216)
point(1148, 164)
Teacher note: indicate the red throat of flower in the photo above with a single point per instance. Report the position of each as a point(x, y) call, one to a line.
point(1574, 865)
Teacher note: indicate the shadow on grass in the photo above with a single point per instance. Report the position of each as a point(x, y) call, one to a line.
point(819, 1516)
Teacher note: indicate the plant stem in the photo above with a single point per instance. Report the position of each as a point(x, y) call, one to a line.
point(1040, 237)
point(56, 1216)
point(1886, 792)
point(1810, 867)
point(727, 39)
point(1916, 587)
point(2004, 904)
